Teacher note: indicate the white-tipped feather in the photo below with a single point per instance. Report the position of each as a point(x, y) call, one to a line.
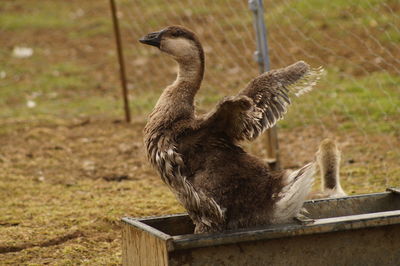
point(271, 92)
point(306, 83)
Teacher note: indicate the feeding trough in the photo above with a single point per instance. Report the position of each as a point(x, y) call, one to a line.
point(356, 230)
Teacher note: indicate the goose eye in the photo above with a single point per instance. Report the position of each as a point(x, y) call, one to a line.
point(176, 33)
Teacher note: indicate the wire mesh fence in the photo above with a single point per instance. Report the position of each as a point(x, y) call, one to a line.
point(357, 42)
point(357, 102)
point(226, 33)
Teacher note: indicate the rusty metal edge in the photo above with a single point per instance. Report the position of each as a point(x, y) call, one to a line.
point(321, 226)
point(184, 214)
point(349, 197)
point(394, 190)
point(142, 226)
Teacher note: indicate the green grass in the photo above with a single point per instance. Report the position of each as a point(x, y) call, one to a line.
point(370, 103)
point(70, 212)
point(51, 15)
point(58, 89)
point(375, 15)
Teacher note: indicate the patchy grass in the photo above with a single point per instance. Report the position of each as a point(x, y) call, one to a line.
point(21, 17)
point(71, 169)
point(63, 199)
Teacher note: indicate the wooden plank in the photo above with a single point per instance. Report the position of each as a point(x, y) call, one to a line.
point(141, 248)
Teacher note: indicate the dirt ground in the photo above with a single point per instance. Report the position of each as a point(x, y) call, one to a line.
point(70, 167)
point(66, 184)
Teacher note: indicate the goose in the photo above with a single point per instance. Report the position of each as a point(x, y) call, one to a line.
point(199, 157)
point(328, 158)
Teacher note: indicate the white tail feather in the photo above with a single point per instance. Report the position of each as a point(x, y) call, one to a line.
point(294, 194)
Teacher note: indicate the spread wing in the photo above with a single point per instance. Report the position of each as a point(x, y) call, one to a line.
point(262, 102)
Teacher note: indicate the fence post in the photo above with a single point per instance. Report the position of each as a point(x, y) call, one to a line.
point(120, 61)
point(262, 57)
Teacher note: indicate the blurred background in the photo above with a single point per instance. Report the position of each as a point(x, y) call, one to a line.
point(70, 165)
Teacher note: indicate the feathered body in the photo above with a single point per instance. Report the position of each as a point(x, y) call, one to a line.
point(199, 157)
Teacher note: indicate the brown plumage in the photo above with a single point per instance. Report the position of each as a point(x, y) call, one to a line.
point(220, 185)
point(328, 158)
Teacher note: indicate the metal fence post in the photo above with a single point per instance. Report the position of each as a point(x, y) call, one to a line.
point(262, 57)
point(120, 61)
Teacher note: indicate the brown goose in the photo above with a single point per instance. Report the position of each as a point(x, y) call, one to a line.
point(220, 185)
point(328, 158)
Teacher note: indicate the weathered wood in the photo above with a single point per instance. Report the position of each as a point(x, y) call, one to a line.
point(355, 230)
point(142, 248)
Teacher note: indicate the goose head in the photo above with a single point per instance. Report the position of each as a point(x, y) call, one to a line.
point(176, 41)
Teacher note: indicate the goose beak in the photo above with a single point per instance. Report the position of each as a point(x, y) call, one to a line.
point(153, 38)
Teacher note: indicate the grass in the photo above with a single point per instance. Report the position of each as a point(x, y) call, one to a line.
point(355, 102)
point(23, 20)
point(73, 212)
point(344, 14)
point(63, 160)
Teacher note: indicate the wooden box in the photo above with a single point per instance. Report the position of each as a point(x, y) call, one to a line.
point(356, 230)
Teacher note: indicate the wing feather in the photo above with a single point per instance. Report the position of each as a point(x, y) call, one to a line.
point(263, 101)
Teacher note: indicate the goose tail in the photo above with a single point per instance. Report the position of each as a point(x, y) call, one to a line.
point(295, 191)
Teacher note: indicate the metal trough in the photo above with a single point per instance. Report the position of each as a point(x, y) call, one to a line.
point(356, 230)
